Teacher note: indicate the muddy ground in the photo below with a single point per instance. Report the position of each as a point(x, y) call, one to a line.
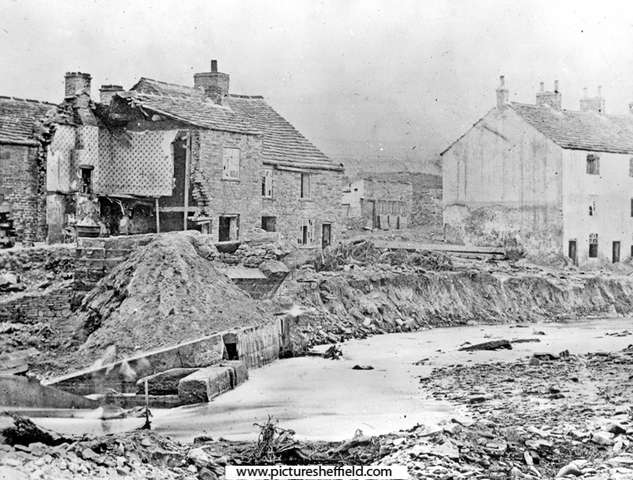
point(539, 416)
point(526, 418)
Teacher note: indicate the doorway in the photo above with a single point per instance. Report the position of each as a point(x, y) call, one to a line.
point(573, 252)
point(228, 228)
point(326, 237)
point(615, 253)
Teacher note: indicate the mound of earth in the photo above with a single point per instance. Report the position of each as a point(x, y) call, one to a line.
point(167, 292)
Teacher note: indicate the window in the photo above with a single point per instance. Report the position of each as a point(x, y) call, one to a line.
point(631, 167)
point(267, 183)
point(231, 163)
point(269, 224)
point(305, 185)
point(593, 245)
point(593, 164)
point(632, 207)
point(593, 199)
point(306, 231)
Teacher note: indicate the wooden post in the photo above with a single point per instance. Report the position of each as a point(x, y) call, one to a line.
point(157, 217)
point(187, 167)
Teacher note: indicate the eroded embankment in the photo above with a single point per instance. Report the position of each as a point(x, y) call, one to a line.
point(346, 304)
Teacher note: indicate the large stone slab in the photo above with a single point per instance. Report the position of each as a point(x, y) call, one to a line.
point(210, 382)
point(164, 383)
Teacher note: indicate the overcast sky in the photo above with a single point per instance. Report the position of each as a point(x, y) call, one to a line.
point(383, 79)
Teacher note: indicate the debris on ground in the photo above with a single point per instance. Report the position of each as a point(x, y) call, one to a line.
point(334, 353)
point(362, 367)
point(492, 345)
point(145, 303)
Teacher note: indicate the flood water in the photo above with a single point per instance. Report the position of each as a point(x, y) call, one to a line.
point(327, 400)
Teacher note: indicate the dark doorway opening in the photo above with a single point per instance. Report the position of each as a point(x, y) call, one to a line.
point(228, 228)
point(231, 351)
point(573, 252)
point(326, 237)
point(615, 252)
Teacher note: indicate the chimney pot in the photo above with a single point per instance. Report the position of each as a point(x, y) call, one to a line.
point(542, 86)
point(584, 91)
point(551, 99)
point(214, 66)
point(593, 104)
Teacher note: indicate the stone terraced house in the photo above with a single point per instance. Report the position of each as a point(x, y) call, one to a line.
point(165, 157)
point(545, 180)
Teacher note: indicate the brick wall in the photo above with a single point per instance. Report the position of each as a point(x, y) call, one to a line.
point(323, 206)
point(33, 307)
point(20, 179)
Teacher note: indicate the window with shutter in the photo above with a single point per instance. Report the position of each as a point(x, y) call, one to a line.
point(306, 232)
point(231, 163)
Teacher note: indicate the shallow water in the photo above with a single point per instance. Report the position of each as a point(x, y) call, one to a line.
point(326, 400)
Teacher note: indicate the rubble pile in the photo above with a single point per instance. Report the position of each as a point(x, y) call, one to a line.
point(136, 455)
point(253, 255)
point(364, 253)
point(165, 293)
point(544, 416)
point(35, 268)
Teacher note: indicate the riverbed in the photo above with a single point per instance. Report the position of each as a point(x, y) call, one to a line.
point(324, 399)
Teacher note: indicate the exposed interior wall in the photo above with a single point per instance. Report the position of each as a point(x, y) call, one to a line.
point(502, 186)
point(609, 194)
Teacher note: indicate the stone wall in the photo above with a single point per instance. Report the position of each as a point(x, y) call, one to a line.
point(256, 346)
point(218, 196)
point(20, 183)
point(323, 206)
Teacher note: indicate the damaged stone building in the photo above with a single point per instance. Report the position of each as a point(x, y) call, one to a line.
point(375, 203)
point(544, 180)
point(22, 170)
point(165, 157)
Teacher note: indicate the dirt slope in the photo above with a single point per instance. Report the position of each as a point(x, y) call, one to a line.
point(166, 292)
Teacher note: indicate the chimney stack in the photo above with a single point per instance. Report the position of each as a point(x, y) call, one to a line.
point(552, 99)
point(77, 83)
point(106, 92)
point(214, 84)
point(502, 94)
point(593, 104)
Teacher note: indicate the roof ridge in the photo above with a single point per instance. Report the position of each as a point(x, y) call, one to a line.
point(28, 100)
point(235, 95)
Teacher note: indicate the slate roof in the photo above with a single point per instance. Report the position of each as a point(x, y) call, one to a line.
point(188, 105)
point(575, 130)
point(17, 116)
point(283, 145)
